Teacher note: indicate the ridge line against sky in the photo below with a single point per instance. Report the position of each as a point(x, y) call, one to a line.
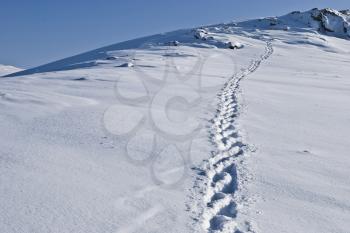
point(36, 32)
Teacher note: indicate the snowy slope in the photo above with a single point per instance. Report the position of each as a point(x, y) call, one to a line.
point(5, 69)
point(113, 54)
point(82, 154)
point(298, 125)
point(237, 127)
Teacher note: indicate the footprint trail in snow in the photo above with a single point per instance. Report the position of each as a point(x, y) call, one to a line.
point(220, 207)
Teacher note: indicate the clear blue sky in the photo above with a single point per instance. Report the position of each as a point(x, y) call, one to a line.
point(34, 32)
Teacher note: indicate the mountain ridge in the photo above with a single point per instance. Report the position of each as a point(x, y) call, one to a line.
point(326, 21)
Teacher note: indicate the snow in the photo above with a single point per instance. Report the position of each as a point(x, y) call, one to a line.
point(177, 132)
point(81, 155)
point(327, 21)
point(6, 69)
point(299, 125)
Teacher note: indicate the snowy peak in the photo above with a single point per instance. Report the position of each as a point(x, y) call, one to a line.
point(327, 21)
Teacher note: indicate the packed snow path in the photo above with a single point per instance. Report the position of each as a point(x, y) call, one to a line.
point(220, 209)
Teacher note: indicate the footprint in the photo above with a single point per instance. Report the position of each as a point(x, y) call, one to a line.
point(220, 209)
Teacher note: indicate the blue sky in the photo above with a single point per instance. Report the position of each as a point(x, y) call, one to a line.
point(34, 32)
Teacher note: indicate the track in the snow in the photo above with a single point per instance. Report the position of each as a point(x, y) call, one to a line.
point(220, 207)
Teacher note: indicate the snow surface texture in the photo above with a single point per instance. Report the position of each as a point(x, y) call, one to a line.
point(221, 171)
point(225, 128)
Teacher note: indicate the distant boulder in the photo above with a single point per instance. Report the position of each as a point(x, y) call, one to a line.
point(332, 21)
point(234, 45)
point(201, 34)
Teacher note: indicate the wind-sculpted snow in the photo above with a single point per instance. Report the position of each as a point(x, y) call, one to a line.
point(114, 55)
point(109, 148)
point(197, 130)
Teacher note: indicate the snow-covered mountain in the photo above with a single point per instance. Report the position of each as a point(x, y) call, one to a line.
point(237, 127)
point(326, 21)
